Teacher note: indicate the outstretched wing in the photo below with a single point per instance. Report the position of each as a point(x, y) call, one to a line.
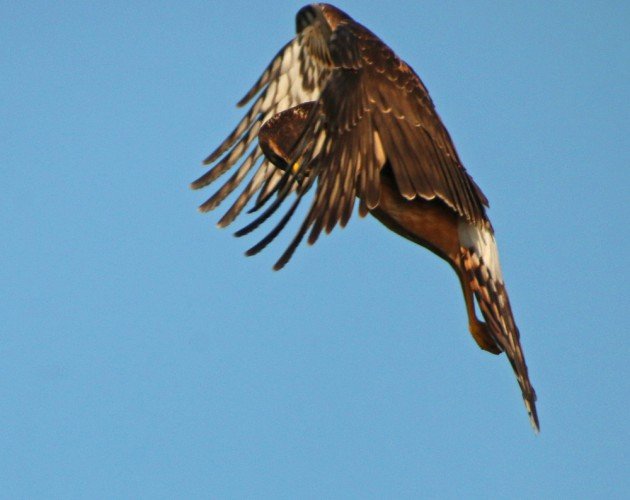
point(373, 110)
point(295, 75)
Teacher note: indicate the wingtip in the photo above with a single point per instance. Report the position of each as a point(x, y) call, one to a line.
point(205, 207)
point(197, 184)
point(211, 157)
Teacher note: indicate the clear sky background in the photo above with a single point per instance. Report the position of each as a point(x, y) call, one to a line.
point(141, 355)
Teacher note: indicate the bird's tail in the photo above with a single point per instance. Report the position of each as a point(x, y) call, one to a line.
point(480, 261)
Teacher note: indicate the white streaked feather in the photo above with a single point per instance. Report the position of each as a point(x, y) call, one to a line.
point(283, 85)
point(290, 56)
point(319, 143)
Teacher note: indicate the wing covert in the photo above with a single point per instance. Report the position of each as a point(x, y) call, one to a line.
point(415, 141)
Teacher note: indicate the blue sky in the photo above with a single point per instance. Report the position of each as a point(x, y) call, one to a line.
point(143, 356)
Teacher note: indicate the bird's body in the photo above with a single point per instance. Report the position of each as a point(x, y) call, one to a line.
point(339, 111)
point(435, 227)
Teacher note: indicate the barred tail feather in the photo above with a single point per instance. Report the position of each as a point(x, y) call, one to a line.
point(480, 260)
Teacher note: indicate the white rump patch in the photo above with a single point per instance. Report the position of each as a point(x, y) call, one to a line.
point(482, 241)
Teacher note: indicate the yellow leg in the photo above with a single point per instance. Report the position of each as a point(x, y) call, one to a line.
point(477, 328)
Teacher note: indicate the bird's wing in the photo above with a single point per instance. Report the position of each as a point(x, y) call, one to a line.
point(295, 75)
point(373, 110)
point(415, 142)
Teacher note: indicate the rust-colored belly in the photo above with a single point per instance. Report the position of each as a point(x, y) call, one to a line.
point(428, 223)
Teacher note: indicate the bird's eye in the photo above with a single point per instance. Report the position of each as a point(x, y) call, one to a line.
point(278, 161)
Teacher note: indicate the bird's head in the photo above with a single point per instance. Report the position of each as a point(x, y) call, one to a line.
point(280, 134)
point(325, 14)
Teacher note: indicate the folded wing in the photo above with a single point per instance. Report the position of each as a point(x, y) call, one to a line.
point(373, 110)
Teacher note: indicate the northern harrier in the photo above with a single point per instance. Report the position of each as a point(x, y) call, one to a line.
point(339, 111)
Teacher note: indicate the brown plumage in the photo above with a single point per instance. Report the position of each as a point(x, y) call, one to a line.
point(340, 112)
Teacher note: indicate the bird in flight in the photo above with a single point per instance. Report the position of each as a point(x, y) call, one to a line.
point(337, 112)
